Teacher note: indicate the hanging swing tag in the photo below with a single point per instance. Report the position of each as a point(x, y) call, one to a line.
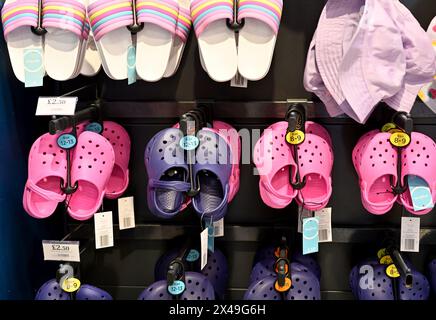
point(420, 193)
point(104, 231)
point(211, 236)
point(131, 65)
point(204, 244)
point(238, 81)
point(303, 213)
point(325, 224)
point(126, 213)
point(218, 227)
point(410, 233)
point(33, 68)
point(310, 235)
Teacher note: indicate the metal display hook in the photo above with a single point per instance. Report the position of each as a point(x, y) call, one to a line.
point(135, 27)
point(404, 121)
point(296, 118)
point(235, 25)
point(39, 30)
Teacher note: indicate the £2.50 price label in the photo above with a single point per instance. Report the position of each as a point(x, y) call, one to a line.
point(295, 137)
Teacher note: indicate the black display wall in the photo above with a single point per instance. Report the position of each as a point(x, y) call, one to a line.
point(145, 108)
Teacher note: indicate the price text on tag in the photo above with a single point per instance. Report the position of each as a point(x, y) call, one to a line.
point(61, 251)
point(56, 106)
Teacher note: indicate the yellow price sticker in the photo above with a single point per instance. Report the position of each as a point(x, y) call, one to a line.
point(392, 271)
point(400, 139)
point(286, 287)
point(295, 137)
point(388, 126)
point(386, 260)
point(381, 253)
point(71, 285)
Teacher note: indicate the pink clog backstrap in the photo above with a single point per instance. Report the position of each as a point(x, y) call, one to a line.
point(315, 162)
point(120, 141)
point(378, 167)
point(418, 159)
point(47, 169)
point(273, 157)
point(91, 167)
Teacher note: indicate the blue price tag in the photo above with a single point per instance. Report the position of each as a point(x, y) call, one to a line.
point(421, 194)
point(33, 68)
point(131, 65)
point(310, 235)
point(210, 236)
point(94, 127)
point(176, 288)
point(67, 141)
point(189, 143)
point(193, 255)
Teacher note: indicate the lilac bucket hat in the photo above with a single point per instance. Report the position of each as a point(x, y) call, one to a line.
point(359, 44)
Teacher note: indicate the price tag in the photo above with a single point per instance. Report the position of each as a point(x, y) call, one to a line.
point(310, 235)
point(71, 285)
point(295, 137)
point(204, 243)
point(303, 214)
point(410, 233)
point(177, 288)
point(387, 260)
point(239, 81)
point(189, 143)
point(193, 255)
point(392, 271)
point(126, 213)
point(67, 251)
point(211, 236)
point(218, 227)
point(56, 106)
point(67, 141)
point(325, 224)
point(400, 139)
point(285, 287)
point(33, 68)
point(104, 231)
point(131, 65)
point(420, 193)
point(381, 253)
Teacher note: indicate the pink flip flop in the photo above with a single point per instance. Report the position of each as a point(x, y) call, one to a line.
point(47, 169)
point(91, 168)
point(418, 160)
point(275, 189)
point(315, 161)
point(120, 140)
point(378, 167)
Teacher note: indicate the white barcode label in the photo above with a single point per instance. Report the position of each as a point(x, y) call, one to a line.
point(218, 228)
point(323, 235)
point(303, 214)
point(410, 234)
point(104, 231)
point(126, 213)
point(204, 235)
point(325, 224)
point(61, 251)
point(239, 81)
